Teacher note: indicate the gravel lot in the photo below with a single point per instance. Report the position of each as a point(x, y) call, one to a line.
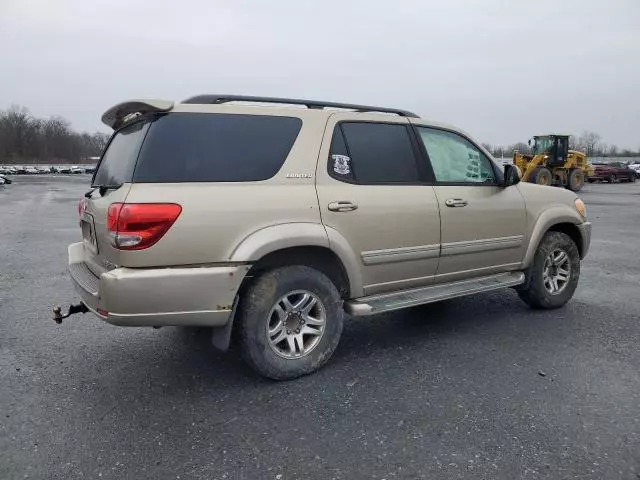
point(474, 388)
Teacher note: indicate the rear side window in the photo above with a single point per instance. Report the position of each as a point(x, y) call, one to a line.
point(196, 147)
point(119, 160)
point(372, 153)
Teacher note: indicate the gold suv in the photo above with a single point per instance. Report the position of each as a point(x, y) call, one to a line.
point(275, 217)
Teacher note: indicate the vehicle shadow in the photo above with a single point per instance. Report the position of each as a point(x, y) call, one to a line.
point(172, 385)
point(178, 359)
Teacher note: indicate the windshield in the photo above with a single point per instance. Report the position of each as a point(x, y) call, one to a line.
point(542, 145)
point(119, 160)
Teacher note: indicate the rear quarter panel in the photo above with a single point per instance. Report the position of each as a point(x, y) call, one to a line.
point(217, 217)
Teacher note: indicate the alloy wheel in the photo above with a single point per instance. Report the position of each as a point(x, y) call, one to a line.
point(557, 271)
point(296, 324)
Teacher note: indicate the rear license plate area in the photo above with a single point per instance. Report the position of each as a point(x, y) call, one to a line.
point(89, 233)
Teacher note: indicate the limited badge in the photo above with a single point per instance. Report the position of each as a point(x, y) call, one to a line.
point(341, 164)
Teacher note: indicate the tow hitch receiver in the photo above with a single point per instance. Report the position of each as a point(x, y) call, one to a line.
point(73, 309)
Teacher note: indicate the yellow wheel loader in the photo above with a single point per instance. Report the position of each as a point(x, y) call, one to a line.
point(552, 163)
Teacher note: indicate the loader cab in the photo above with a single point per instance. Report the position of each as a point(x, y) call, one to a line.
point(555, 146)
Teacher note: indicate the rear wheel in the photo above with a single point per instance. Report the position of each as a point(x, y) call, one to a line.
point(290, 321)
point(542, 176)
point(612, 178)
point(576, 180)
point(553, 277)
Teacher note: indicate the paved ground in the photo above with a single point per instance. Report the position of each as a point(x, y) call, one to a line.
point(446, 391)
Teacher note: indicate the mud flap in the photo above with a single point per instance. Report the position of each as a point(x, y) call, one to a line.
point(221, 336)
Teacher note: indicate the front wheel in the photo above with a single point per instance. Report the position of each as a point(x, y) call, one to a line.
point(290, 322)
point(553, 277)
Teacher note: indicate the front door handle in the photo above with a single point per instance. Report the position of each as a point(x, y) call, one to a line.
point(342, 206)
point(455, 202)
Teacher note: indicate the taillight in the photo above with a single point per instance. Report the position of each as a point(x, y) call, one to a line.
point(82, 205)
point(136, 226)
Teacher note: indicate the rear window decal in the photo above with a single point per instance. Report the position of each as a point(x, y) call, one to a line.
point(341, 164)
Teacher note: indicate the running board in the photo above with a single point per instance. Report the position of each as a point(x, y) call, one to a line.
point(387, 302)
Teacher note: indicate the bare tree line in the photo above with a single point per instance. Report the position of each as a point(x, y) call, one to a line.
point(588, 142)
point(26, 139)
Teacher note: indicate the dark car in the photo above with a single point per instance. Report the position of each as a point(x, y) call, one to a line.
point(612, 172)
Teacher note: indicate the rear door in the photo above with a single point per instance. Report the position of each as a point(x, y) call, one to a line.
point(111, 184)
point(372, 194)
point(482, 223)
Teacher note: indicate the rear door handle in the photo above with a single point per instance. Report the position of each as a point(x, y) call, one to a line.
point(455, 202)
point(342, 206)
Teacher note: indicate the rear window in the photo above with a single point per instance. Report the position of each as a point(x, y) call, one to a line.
point(119, 160)
point(195, 147)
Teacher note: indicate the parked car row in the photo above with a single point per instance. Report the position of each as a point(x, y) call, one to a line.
point(614, 172)
point(38, 170)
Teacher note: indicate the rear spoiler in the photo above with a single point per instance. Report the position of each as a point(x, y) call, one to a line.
point(117, 115)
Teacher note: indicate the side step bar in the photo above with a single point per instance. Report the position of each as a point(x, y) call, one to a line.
point(387, 302)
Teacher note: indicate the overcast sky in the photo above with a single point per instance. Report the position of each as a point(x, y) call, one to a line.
point(502, 70)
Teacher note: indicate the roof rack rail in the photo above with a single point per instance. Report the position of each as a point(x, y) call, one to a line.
point(206, 99)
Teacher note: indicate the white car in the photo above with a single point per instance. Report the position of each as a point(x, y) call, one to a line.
point(76, 169)
point(31, 170)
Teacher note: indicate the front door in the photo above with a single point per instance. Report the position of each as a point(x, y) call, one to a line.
point(371, 196)
point(482, 223)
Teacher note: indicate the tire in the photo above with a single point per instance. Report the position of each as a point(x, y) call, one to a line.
point(261, 308)
point(612, 178)
point(542, 176)
point(576, 180)
point(632, 179)
point(534, 292)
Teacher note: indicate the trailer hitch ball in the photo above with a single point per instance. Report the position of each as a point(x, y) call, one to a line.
point(73, 309)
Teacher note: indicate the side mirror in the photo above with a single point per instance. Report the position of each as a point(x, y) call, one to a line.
point(511, 175)
point(529, 142)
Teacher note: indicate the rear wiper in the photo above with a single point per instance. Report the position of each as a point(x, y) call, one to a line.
point(102, 189)
point(105, 188)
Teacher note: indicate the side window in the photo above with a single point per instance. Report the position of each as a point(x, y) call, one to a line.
point(454, 159)
point(372, 153)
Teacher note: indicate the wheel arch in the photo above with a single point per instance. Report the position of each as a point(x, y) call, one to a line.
point(559, 220)
point(307, 244)
point(573, 232)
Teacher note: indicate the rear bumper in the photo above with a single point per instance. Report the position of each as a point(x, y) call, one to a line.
point(194, 296)
point(585, 234)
